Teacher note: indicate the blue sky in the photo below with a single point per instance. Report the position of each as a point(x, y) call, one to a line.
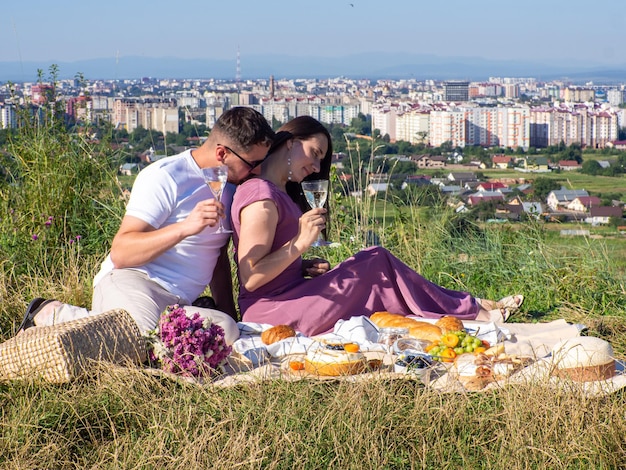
point(545, 30)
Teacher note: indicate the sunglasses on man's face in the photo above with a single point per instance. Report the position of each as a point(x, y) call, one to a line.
point(251, 165)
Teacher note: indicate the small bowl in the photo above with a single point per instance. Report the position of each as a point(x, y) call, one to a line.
point(403, 344)
point(412, 362)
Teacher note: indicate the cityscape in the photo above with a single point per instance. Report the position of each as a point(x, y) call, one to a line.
point(517, 116)
point(500, 112)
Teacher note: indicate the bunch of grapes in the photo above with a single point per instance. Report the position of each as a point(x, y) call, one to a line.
point(454, 343)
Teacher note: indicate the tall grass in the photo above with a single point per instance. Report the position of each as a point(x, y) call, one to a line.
point(127, 418)
point(60, 205)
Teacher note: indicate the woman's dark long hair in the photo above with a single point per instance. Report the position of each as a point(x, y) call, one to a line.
point(303, 127)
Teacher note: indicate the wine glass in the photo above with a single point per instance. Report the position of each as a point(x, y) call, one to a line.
point(316, 192)
point(215, 178)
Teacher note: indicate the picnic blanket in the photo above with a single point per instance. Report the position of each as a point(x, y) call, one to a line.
point(252, 360)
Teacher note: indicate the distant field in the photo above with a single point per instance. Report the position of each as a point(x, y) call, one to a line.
point(571, 180)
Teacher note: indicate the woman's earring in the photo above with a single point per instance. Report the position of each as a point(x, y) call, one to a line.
point(289, 168)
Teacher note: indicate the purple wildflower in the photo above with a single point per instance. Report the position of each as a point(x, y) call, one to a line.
point(35, 236)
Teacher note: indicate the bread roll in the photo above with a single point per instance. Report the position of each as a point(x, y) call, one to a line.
point(276, 333)
point(448, 323)
point(417, 329)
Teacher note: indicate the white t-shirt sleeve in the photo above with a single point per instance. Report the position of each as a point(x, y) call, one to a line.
point(153, 197)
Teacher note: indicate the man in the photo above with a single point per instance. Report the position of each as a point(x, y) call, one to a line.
point(166, 250)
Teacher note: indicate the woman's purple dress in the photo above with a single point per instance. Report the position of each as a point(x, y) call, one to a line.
point(372, 280)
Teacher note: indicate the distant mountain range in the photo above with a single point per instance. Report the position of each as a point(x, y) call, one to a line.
point(375, 65)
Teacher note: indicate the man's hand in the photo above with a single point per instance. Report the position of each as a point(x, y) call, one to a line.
point(137, 242)
point(315, 267)
point(207, 212)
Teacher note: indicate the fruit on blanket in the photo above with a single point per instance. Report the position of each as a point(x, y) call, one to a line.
point(447, 354)
point(351, 347)
point(417, 329)
point(450, 340)
point(296, 365)
point(455, 343)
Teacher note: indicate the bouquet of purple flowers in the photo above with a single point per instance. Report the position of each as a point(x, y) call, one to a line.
point(188, 346)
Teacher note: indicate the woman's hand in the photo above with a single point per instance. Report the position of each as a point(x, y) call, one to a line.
point(311, 224)
point(315, 267)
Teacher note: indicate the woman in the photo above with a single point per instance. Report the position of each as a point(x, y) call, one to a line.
point(271, 233)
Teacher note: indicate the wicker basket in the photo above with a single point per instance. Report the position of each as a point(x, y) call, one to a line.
point(63, 352)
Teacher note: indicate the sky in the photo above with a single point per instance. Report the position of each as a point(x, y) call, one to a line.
point(538, 30)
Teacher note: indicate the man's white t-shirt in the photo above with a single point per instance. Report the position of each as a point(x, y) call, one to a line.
point(164, 193)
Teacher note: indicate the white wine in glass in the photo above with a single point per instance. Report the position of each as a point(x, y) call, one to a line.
point(215, 178)
point(316, 192)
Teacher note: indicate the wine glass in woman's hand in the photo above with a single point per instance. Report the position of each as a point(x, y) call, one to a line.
point(316, 192)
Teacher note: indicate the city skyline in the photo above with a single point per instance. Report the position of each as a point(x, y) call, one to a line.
point(569, 35)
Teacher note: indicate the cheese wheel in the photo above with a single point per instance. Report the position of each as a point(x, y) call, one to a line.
point(333, 362)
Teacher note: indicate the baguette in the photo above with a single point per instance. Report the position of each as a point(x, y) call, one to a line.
point(417, 329)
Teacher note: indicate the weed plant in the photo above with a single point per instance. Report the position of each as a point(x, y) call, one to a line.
point(127, 418)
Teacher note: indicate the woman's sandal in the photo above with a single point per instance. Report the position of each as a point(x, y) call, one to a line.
point(511, 303)
point(500, 315)
point(33, 309)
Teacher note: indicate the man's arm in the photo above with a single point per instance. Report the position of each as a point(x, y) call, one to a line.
point(137, 242)
point(222, 285)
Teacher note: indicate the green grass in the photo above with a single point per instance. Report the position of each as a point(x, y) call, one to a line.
point(570, 179)
point(125, 418)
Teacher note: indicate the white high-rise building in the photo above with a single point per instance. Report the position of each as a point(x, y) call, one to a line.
point(413, 125)
point(514, 127)
point(8, 117)
point(447, 126)
point(482, 126)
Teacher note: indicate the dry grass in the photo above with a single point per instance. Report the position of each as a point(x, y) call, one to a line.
point(126, 419)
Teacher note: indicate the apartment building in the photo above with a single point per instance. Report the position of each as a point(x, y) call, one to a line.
point(413, 125)
point(482, 126)
point(456, 91)
point(328, 111)
point(384, 119)
point(8, 117)
point(447, 126)
point(615, 97)
point(587, 126)
point(577, 94)
point(514, 126)
point(156, 114)
point(506, 126)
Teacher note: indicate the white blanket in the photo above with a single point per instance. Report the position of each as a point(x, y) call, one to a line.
point(358, 330)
